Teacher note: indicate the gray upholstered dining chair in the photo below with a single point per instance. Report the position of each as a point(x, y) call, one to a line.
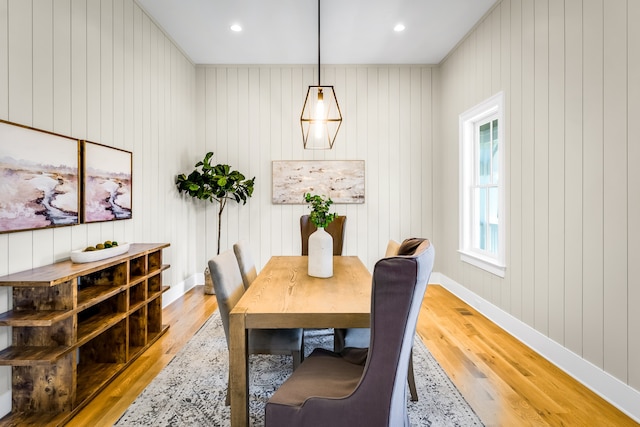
point(355, 387)
point(245, 262)
point(229, 288)
point(359, 337)
point(335, 228)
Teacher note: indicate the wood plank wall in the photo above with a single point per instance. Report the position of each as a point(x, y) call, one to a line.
point(250, 116)
point(569, 70)
point(102, 71)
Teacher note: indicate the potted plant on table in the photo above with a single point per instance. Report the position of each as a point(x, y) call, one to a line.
point(217, 183)
point(320, 242)
point(319, 216)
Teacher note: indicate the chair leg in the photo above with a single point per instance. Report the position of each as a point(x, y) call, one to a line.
point(298, 355)
point(412, 380)
point(227, 400)
point(338, 339)
point(297, 358)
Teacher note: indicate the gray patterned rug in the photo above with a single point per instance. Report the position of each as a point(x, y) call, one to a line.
point(190, 390)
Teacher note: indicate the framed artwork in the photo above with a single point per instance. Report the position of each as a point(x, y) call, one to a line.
point(106, 183)
point(38, 179)
point(341, 180)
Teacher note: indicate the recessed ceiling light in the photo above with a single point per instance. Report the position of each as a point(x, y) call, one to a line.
point(398, 28)
point(236, 27)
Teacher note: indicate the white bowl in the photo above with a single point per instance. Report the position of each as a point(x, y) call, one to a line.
point(80, 256)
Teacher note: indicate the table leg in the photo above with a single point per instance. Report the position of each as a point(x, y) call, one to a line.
point(238, 367)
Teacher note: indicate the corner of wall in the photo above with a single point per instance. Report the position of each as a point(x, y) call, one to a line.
point(179, 289)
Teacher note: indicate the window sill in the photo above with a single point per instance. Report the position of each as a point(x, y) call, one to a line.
point(485, 263)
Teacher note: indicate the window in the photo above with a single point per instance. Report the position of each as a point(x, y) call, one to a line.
point(482, 228)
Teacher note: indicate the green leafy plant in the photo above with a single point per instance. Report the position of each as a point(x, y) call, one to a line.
point(320, 216)
point(216, 184)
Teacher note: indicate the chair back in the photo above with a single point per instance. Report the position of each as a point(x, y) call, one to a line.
point(399, 285)
point(245, 262)
point(227, 283)
point(335, 229)
point(392, 248)
point(343, 389)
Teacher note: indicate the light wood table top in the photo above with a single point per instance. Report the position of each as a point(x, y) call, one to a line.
point(285, 296)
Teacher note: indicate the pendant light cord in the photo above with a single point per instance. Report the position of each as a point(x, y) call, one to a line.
point(318, 42)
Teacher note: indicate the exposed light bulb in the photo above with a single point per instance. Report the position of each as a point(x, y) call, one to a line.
point(320, 105)
point(319, 114)
point(236, 28)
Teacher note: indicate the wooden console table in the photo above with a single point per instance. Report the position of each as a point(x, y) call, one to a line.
point(76, 326)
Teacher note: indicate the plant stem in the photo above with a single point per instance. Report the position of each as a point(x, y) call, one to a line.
point(222, 204)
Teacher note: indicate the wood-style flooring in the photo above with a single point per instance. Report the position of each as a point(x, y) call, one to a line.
point(505, 382)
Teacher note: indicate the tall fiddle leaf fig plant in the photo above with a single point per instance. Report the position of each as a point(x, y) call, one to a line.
point(217, 183)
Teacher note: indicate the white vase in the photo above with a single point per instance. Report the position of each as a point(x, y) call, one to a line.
point(320, 254)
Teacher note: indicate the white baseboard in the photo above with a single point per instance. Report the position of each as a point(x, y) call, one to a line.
point(178, 289)
point(600, 382)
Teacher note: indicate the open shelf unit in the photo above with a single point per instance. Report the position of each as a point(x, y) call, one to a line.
point(76, 326)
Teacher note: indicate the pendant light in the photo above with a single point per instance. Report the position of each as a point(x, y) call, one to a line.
point(321, 118)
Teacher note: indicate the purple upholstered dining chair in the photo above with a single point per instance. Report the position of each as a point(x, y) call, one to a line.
point(342, 389)
point(359, 337)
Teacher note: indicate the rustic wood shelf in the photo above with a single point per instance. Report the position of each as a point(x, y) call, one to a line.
point(96, 294)
point(31, 356)
point(136, 281)
point(33, 317)
point(153, 336)
point(133, 308)
point(154, 295)
point(93, 378)
point(20, 419)
point(77, 326)
point(96, 325)
point(135, 351)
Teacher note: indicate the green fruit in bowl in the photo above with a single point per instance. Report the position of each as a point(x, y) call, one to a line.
point(89, 249)
point(114, 243)
point(100, 246)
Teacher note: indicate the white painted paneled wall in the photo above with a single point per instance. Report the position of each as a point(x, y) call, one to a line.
point(570, 72)
point(102, 71)
point(250, 116)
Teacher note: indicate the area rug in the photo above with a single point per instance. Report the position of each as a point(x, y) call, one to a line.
point(191, 389)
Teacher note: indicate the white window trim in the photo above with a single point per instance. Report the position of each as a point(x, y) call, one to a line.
point(492, 106)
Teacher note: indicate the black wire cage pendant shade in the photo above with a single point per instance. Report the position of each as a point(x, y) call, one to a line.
point(321, 117)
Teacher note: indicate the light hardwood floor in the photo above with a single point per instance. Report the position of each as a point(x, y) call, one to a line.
point(506, 383)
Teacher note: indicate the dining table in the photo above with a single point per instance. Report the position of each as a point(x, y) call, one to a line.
point(284, 296)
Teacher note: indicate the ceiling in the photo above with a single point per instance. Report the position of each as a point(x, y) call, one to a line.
point(286, 31)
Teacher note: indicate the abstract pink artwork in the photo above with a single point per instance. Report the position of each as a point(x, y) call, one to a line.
point(38, 179)
point(107, 183)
